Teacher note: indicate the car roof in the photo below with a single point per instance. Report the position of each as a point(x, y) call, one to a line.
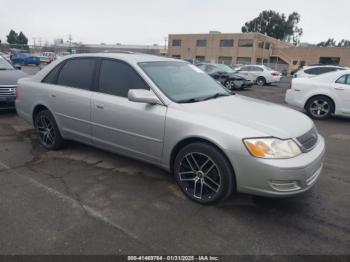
point(128, 57)
point(315, 66)
point(131, 58)
point(330, 75)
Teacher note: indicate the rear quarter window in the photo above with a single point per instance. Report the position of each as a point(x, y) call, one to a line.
point(51, 77)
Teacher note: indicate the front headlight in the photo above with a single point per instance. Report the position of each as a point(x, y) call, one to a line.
point(272, 148)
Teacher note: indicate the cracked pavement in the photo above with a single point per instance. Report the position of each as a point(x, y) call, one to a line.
point(81, 200)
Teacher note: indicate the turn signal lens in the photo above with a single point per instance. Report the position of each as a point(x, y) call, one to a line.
point(258, 149)
point(272, 148)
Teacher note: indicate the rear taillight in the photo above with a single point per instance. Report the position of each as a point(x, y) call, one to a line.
point(17, 92)
point(275, 74)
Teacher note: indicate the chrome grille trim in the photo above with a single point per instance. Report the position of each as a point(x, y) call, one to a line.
point(9, 90)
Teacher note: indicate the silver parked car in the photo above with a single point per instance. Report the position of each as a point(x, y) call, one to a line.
point(170, 113)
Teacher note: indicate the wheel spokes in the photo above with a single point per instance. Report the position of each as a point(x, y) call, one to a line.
point(199, 176)
point(45, 130)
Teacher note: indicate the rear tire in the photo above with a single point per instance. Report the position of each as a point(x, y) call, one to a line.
point(203, 173)
point(49, 134)
point(261, 81)
point(320, 107)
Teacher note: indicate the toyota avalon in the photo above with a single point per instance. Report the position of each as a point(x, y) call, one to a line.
point(170, 113)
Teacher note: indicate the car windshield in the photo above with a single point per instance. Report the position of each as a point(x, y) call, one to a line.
point(183, 82)
point(4, 65)
point(225, 68)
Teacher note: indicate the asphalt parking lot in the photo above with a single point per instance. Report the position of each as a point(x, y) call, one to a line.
point(82, 200)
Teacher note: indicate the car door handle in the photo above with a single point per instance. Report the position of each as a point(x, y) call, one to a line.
point(339, 88)
point(53, 95)
point(99, 106)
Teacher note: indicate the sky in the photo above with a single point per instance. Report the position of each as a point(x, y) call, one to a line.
point(150, 21)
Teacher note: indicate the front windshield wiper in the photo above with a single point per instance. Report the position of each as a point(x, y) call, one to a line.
point(216, 95)
point(190, 100)
point(193, 100)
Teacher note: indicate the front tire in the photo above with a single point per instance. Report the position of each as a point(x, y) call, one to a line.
point(49, 134)
point(320, 107)
point(203, 173)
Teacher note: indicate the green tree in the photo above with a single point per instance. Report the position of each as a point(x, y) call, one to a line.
point(344, 43)
point(329, 43)
point(276, 25)
point(12, 37)
point(22, 39)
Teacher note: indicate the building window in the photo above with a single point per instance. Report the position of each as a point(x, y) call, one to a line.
point(267, 45)
point(176, 56)
point(201, 43)
point(259, 60)
point(226, 43)
point(260, 44)
point(265, 61)
point(245, 43)
point(227, 60)
point(200, 58)
point(244, 60)
point(330, 60)
point(176, 42)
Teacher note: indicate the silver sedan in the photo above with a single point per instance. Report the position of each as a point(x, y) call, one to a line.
point(171, 114)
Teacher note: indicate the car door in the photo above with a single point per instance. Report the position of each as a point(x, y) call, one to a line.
point(245, 72)
point(342, 92)
point(70, 98)
point(130, 128)
point(255, 72)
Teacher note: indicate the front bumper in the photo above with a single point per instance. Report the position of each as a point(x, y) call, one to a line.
point(294, 98)
point(7, 99)
point(248, 84)
point(279, 177)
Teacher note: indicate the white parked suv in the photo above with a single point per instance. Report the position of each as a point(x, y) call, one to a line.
point(323, 95)
point(311, 71)
point(260, 74)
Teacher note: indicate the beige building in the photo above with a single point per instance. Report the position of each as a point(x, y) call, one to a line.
point(251, 48)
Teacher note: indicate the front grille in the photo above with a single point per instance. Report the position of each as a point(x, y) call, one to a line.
point(308, 140)
point(7, 90)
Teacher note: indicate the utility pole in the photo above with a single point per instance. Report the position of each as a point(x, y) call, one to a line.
point(34, 42)
point(70, 38)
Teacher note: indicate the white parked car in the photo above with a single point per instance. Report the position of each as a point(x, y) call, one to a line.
point(260, 74)
point(323, 95)
point(47, 57)
point(311, 71)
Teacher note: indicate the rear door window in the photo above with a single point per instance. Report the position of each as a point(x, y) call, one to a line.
point(77, 73)
point(256, 69)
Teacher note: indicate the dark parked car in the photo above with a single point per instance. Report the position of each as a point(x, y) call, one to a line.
point(226, 76)
point(25, 59)
point(8, 82)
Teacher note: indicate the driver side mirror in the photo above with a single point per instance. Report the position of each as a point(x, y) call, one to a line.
point(143, 96)
point(17, 67)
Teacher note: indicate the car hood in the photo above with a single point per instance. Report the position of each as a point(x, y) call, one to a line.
point(267, 118)
point(10, 77)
